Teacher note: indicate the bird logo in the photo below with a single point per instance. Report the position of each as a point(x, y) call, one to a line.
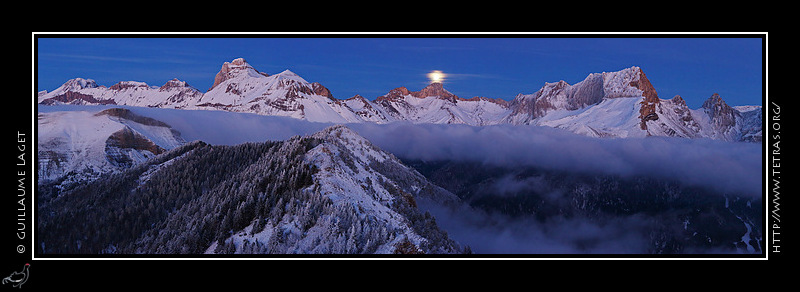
point(18, 278)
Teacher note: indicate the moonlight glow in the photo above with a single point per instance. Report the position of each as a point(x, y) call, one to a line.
point(436, 76)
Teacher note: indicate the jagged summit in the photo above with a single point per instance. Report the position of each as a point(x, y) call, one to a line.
point(724, 118)
point(714, 101)
point(435, 89)
point(679, 100)
point(716, 108)
point(235, 68)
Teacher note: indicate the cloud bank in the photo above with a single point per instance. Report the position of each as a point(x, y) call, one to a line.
point(499, 234)
point(723, 166)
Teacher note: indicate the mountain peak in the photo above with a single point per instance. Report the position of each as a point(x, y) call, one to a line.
point(239, 61)
point(628, 82)
point(714, 100)
point(287, 72)
point(175, 83)
point(723, 117)
point(128, 84)
point(677, 99)
point(435, 89)
point(357, 97)
point(716, 106)
point(236, 67)
point(78, 84)
point(334, 131)
point(396, 93)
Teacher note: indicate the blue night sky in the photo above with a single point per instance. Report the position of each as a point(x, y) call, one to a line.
point(476, 65)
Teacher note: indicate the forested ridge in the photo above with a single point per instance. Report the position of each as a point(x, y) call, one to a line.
point(114, 212)
point(192, 199)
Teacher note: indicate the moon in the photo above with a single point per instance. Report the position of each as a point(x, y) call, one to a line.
point(436, 76)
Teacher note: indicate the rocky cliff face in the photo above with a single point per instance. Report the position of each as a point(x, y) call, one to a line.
point(126, 147)
point(649, 101)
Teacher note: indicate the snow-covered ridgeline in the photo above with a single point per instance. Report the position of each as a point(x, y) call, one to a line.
point(586, 107)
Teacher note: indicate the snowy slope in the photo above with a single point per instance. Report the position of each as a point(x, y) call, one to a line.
point(86, 144)
point(347, 157)
point(610, 118)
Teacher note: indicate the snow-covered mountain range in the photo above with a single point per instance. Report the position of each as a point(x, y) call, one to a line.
point(609, 104)
point(625, 104)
